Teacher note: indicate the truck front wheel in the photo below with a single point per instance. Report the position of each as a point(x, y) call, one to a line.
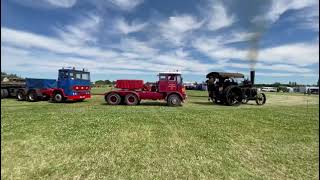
point(58, 97)
point(131, 99)
point(174, 100)
point(113, 99)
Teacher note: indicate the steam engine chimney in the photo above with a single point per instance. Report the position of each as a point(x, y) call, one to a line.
point(252, 74)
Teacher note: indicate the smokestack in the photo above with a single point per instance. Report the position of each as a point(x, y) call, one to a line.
point(252, 74)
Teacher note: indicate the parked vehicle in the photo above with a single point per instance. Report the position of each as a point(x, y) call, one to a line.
point(131, 92)
point(72, 85)
point(268, 89)
point(232, 89)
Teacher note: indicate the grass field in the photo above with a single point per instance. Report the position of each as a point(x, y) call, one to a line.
point(91, 140)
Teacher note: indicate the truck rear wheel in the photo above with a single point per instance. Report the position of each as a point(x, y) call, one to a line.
point(174, 100)
point(113, 99)
point(32, 96)
point(21, 96)
point(58, 97)
point(131, 99)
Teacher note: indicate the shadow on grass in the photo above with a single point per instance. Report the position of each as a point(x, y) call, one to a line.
point(141, 104)
point(204, 103)
point(197, 96)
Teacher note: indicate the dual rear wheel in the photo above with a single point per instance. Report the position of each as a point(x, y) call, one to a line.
point(115, 99)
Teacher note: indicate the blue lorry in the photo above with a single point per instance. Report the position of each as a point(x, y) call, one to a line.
point(71, 85)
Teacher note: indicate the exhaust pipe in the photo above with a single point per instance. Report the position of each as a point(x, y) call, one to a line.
point(252, 74)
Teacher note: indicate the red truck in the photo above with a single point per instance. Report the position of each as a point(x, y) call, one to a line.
point(131, 92)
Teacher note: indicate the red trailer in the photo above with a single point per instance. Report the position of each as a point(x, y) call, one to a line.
point(131, 92)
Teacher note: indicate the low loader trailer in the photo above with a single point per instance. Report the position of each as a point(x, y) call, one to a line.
point(71, 85)
point(131, 92)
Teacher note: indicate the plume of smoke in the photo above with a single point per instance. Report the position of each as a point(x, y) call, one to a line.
point(254, 49)
point(254, 42)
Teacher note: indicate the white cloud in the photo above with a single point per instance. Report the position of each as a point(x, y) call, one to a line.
point(62, 3)
point(30, 40)
point(279, 7)
point(177, 28)
point(126, 28)
point(307, 18)
point(81, 32)
point(218, 17)
point(126, 4)
point(26, 50)
point(300, 54)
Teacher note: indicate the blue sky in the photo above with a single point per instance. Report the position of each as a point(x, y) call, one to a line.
point(136, 39)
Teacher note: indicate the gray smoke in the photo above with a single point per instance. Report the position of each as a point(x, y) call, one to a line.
point(253, 52)
point(259, 29)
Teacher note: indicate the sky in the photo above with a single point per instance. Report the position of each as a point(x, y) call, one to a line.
point(136, 39)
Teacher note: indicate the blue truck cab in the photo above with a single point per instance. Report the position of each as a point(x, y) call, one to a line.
point(72, 85)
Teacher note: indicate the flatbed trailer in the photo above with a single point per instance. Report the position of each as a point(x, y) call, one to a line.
point(10, 89)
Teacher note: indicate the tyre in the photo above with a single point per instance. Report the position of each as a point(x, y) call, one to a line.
point(58, 97)
point(2, 94)
point(32, 96)
point(233, 96)
point(113, 99)
point(21, 96)
point(174, 100)
point(261, 99)
point(5, 93)
point(131, 99)
point(80, 100)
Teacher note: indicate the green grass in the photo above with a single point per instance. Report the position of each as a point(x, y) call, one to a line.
point(91, 140)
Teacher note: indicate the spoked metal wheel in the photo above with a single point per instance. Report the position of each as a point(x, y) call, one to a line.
point(261, 99)
point(233, 97)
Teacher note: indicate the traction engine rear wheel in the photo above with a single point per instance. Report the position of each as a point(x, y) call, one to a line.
point(174, 100)
point(113, 99)
point(131, 99)
point(233, 97)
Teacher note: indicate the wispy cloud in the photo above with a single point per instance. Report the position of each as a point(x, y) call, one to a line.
point(125, 4)
point(301, 54)
point(62, 3)
point(278, 8)
point(124, 27)
point(218, 16)
point(47, 4)
point(176, 28)
point(81, 32)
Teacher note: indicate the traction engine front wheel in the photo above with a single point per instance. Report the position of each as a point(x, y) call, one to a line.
point(261, 99)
